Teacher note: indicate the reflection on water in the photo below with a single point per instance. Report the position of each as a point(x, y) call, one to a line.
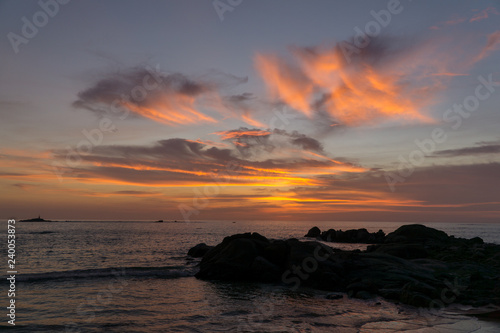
point(191, 305)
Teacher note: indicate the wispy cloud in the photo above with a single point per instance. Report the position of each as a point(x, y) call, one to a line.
point(242, 133)
point(180, 162)
point(169, 98)
point(373, 87)
point(492, 44)
point(459, 19)
point(480, 148)
point(484, 14)
point(456, 19)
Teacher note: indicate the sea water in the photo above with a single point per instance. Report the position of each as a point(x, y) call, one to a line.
point(135, 276)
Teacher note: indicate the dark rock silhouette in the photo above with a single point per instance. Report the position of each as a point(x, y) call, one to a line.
point(415, 265)
point(416, 233)
point(314, 232)
point(348, 236)
point(199, 250)
point(36, 219)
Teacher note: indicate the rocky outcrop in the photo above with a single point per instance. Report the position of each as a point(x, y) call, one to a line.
point(199, 250)
point(314, 232)
point(415, 265)
point(349, 236)
point(416, 233)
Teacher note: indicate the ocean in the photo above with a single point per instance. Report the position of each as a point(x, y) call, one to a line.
point(135, 276)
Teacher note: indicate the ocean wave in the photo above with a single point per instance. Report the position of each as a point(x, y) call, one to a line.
point(165, 272)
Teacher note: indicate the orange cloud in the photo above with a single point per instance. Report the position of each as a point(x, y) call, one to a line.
point(210, 143)
point(250, 121)
point(225, 135)
point(171, 110)
point(285, 83)
point(171, 99)
point(353, 94)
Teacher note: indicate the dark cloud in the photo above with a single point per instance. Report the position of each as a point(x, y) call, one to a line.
point(24, 186)
point(241, 98)
point(301, 140)
point(308, 144)
point(247, 140)
point(180, 161)
point(480, 149)
point(136, 193)
point(169, 98)
point(119, 86)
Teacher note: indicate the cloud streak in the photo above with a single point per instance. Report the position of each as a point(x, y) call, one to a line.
point(484, 14)
point(481, 148)
point(492, 44)
point(180, 162)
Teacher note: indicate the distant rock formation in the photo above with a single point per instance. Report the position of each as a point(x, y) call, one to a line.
point(415, 265)
point(348, 236)
point(199, 250)
point(314, 232)
point(36, 219)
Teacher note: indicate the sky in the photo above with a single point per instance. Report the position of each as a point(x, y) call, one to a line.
point(250, 110)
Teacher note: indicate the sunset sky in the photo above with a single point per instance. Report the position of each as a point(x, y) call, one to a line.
point(240, 110)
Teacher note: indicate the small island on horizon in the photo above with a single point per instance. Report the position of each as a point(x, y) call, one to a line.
point(36, 219)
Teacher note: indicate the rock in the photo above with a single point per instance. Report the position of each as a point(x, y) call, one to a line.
point(199, 250)
point(416, 299)
point(264, 270)
point(314, 232)
point(476, 240)
point(329, 235)
point(406, 251)
point(493, 314)
point(413, 265)
point(334, 296)
point(415, 233)
point(353, 236)
point(233, 258)
point(277, 253)
point(363, 294)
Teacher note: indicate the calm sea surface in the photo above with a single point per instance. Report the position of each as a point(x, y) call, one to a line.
point(136, 277)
